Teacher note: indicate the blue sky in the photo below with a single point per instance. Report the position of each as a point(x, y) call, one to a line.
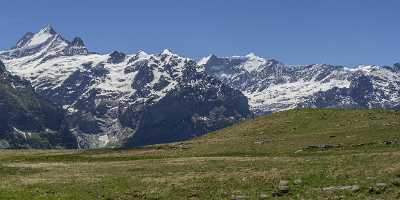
point(344, 32)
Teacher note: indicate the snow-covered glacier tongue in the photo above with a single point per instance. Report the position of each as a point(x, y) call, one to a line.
point(118, 99)
point(272, 86)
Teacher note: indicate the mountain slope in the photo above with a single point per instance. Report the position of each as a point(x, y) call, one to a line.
point(28, 121)
point(272, 86)
point(299, 129)
point(108, 96)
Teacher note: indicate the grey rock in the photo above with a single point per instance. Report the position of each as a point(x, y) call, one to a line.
point(353, 188)
point(116, 57)
point(283, 189)
point(299, 151)
point(263, 196)
point(391, 142)
point(381, 185)
point(283, 186)
point(283, 182)
point(323, 146)
point(2, 67)
point(298, 182)
point(77, 41)
point(239, 197)
point(379, 188)
point(396, 181)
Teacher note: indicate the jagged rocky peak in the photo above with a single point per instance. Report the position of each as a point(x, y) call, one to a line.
point(116, 57)
point(34, 39)
point(139, 55)
point(396, 66)
point(48, 29)
point(212, 57)
point(21, 42)
point(168, 52)
point(141, 52)
point(252, 55)
point(76, 47)
point(44, 45)
point(43, 36)
point(209, 60)
point(251, 62)
point(77, 41)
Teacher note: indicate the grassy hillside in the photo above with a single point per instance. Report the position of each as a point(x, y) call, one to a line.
point(317, 151)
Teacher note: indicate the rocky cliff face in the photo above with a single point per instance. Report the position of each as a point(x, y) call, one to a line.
point(26, 119)
point(198, 105)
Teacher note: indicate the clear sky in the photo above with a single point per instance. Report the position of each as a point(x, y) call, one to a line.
point(344, 32)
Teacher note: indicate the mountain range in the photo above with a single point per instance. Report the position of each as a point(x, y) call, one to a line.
point(58, 94)
point(273, 86)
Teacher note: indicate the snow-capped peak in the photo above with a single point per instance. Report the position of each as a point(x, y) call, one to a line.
point(249, 62)
point(167, 52)
point(47, 29)
point(205, 60)
point(251, 55)
point(253, 62)
point(31, 40)
point(142, 54)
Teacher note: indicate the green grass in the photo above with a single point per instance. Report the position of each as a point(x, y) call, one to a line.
point(24, 171)
point(247, 159)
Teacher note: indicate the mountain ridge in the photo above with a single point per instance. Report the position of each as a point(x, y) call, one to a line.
point(274, 86)
point(111, 98)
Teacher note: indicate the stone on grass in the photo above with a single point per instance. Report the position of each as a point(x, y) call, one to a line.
point(396, 181)
point(263, 196)
point(353, 188)
point(381, 185)
point(283, 186)
point(238, 197)
point(379, 188)
point(299, 151)
point(283, 182)
point(298, 182)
